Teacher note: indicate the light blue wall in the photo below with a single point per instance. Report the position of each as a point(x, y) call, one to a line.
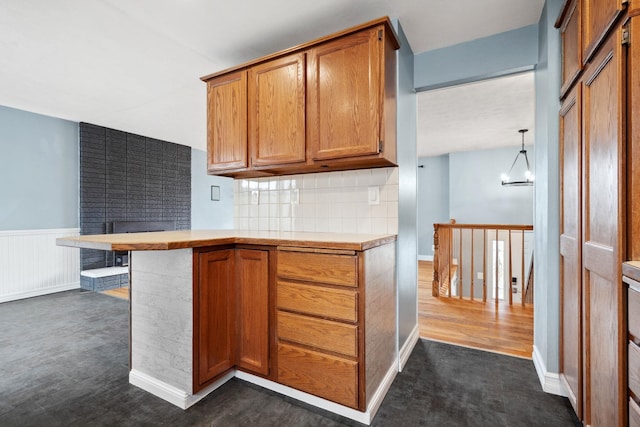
point(407, 197)
point(433, 199)
point(501, 54)
point(39, 164)
point(547, 210)
point(476, 194)
point(205, 213)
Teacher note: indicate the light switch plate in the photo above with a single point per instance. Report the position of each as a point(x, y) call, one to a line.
point(374, 195)
point(295, 196)
point(255, 197)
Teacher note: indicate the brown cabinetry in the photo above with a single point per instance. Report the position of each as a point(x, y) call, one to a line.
point(227, 123)
point(318, 324)
point(213, 315)
point(329, 103)
point(231, 313)
point(593, 217)
point(252, 307)
point(277, 111)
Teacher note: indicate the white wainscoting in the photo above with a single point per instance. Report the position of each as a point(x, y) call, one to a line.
point(31, 264)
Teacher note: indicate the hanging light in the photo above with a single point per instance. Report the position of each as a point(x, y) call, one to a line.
point(527, 178)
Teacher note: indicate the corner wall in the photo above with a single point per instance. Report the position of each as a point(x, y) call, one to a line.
point(546, 202)
point(407, 245)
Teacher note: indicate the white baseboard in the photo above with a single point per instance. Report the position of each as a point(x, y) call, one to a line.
point(407, 347)
point(39, 292)
point(172, 394)
point(353, 414)
point(549, 381)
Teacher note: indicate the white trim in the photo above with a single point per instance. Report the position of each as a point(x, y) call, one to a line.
point(38, 292)
point(38, 232)
point(425, 257)
point(353, 414)
point(407, 347)
point(172, 394)
point(376, 400)
point(549, 381)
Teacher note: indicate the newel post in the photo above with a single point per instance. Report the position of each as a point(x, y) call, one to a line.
point(435, 286)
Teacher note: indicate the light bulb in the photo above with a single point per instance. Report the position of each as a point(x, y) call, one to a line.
point(528, 175)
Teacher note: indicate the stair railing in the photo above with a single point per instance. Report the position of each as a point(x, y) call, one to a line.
point(466, 255)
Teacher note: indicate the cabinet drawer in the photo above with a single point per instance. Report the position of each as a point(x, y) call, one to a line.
point(326, 376)
point(634, 414)
point(634, 309)
point(339, 304)
point(317, 267)
point(634, 369)
point(319, 333)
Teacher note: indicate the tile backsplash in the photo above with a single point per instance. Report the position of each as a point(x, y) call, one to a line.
point(319, 202)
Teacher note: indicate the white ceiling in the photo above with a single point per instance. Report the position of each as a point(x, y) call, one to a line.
point(480, 115)
point(135, 65)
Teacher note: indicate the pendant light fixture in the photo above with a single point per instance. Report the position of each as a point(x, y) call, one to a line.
point(527, 178)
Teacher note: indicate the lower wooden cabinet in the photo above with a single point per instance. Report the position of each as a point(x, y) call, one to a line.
point(318, 325)
point(297, 316)
point(252, 307)
point(231, 313)
point(213, 315)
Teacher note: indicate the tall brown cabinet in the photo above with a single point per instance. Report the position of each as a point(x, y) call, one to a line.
point(596, 218)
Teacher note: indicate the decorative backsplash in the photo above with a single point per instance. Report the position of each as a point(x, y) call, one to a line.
point(320, 202)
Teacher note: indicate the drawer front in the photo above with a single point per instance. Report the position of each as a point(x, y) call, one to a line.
point(317, 267)
point(634, 369)
point(329, 377)
point(339, 304)
point(319, 333)
point(634, 313)
point(634, 414)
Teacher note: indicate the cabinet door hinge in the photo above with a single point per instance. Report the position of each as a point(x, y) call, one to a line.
point(380, 35)
point(380, 146)
point(625, 36)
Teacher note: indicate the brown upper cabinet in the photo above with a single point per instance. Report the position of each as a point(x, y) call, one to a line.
point(584, 26)
point(599, 16)
point(329, 104)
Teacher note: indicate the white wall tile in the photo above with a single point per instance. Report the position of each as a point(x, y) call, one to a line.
point(329, 201)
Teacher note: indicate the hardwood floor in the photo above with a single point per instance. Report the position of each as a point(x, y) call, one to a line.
point(122, 293)
point(503, 329)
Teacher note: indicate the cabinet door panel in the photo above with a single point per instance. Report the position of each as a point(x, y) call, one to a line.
point(227, 122)
point(570, 248)
point(599, 16)
point(344, 90)
point(277, 111)
point(604, 183)
point(214, 311)
point(571, 32)
point(252, 339)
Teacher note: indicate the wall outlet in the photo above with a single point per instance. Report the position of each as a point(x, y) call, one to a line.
point(255, 197)
point(295, 196)
point(480, 275)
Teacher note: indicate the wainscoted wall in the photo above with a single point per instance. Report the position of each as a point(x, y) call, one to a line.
point(127, 177)
point(327, 202)
point(31, 264)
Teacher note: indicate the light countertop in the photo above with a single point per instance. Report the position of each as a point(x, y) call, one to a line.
point(181, 239)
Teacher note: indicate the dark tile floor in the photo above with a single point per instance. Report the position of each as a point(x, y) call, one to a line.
point(64, 362)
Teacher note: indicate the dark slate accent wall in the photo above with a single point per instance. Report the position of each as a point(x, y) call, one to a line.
point(127, 177)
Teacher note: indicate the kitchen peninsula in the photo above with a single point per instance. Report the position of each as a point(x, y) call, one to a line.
point(308, 315)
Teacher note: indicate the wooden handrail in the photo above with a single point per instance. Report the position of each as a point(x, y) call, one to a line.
point(455, 256)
